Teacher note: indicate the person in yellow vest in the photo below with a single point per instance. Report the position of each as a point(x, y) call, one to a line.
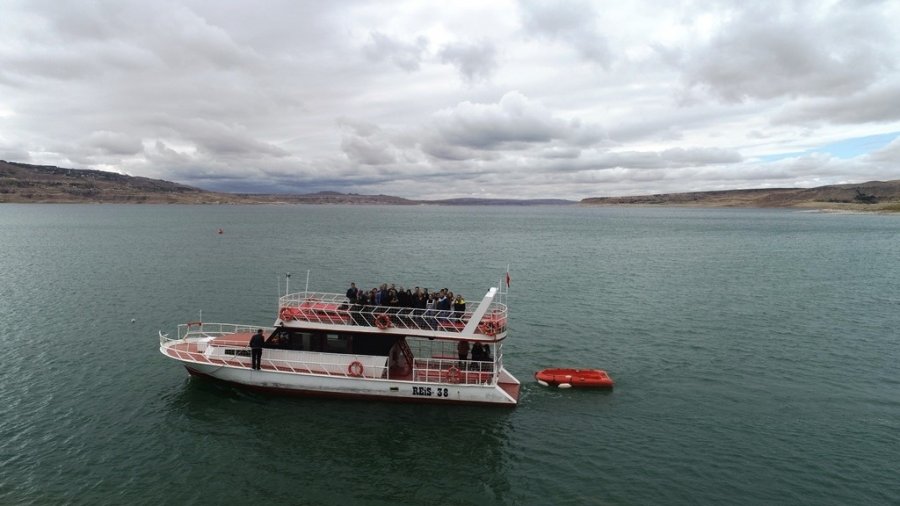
point(459, 304)
point(459, 310)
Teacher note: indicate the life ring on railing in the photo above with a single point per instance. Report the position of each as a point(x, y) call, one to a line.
point(453, 374)
point(490, 328)
point(355, 369)
point(191, 324)
point(383, 321)
point(286, 314)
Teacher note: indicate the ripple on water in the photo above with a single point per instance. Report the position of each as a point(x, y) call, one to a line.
point(753, 355)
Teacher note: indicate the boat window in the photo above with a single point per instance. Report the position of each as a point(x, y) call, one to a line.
point(369, 344)
point(317, 341)
point(286, 339)
point(337, 344)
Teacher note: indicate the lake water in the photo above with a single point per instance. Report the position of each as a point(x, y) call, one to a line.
point(755, 353)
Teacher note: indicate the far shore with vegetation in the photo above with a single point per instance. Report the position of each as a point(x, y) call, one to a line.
point(25, 183)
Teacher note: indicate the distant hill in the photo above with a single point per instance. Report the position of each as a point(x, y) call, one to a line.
point(870, 196)
point(21, 182)
point(501, 202)
point(325, 198)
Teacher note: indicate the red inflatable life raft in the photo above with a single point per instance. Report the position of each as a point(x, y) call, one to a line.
point(577, 378)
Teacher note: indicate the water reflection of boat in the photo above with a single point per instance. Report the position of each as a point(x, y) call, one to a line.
point(322, 345)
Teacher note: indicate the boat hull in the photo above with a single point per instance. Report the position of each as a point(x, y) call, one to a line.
point(504, 393)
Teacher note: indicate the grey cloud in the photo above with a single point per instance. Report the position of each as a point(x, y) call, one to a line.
point(513, 122)
point(438, 149)
point(164, 154)
point(572, 22)
point(84, 39)
point(875, 104)
point(115, 143)
point(217, 137)
point(701, 156)
point(405, 55)
point(13, 154)
point(888, 154)
point(358, 127)
point(779, 49)
point(100, 148)
point(243, 98)
point(475, 62)
point(666, 159)
point(366, 143)
point(560, 153)
point(367, 151)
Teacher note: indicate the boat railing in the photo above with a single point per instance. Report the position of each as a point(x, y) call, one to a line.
point(202, 330)
point(336, 309)
point(444, 370)
point(204, 350)
point(329, 365)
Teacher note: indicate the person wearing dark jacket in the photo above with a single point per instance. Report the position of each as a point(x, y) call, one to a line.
point(256, 346)
point(462, 350)
point(352, 293)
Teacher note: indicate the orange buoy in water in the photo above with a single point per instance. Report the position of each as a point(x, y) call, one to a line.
point(574, 378)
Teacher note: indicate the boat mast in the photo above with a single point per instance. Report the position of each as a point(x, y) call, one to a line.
point(479, 312)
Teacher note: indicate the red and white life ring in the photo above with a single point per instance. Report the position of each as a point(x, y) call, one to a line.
point(383, 321)
point(453, 374)
point(355, 369)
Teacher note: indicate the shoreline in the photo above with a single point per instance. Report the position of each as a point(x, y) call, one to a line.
point(812, 207)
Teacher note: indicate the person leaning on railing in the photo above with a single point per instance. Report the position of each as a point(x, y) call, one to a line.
point(459, 310)
point(352, 293)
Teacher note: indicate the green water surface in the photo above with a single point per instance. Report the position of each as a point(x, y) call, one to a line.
point(755, 354)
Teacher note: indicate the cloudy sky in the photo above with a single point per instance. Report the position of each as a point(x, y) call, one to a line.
point(526, 99)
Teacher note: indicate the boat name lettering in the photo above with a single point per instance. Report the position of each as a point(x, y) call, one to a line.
point(428, 391)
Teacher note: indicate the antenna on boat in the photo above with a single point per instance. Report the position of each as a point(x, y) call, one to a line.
point(287, 283)
point(306, 290)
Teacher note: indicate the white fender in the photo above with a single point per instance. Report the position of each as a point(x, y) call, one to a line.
point(565, 385)
point(543, 383)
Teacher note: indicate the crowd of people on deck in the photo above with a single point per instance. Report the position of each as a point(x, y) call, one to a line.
point(442, 303)
point(417, 298)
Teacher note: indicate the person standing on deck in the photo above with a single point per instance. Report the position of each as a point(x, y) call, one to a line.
point(352, 292)
point(459, 307)
point(256, 346)
point(463, 350)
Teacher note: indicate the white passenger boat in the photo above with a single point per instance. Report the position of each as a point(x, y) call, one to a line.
point(322, 345)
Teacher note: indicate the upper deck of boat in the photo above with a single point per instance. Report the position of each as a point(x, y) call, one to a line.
point(334, 311)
